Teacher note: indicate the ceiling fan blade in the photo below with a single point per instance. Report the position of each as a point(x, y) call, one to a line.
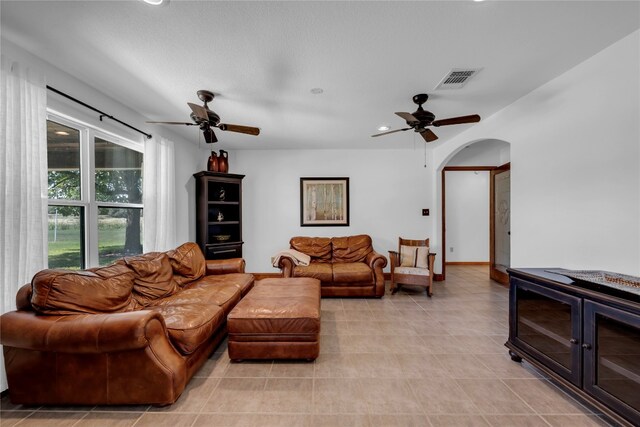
point(209, 136)
point(428, 135)
point(391, 131)
point(173, 123)
point(199, 111)
point(457, 120)
point(408, 117)
point(241, 129)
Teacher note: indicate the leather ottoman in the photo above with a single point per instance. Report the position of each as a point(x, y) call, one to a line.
point(278, 319)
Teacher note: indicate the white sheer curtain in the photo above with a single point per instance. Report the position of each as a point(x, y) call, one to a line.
point(159, 195)
point(23, 181)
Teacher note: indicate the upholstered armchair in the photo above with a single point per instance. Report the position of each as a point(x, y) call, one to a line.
point(412, 264)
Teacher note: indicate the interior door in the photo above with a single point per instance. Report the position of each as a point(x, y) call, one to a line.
point(500, 226)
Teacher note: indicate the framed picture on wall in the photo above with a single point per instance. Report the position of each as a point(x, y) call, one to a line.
point(324, 202)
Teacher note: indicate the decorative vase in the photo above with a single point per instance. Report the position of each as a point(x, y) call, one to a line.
point(223, 162)
point(213, 163)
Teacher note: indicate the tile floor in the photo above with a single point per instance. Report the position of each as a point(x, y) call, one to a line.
point(403, 360)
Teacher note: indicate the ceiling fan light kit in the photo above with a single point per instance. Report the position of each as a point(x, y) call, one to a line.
point(420, 119)
point(206, 119)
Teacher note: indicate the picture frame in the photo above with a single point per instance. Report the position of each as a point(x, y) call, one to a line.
point(324, 202)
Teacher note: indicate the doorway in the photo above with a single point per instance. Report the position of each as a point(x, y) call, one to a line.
point(500, 223)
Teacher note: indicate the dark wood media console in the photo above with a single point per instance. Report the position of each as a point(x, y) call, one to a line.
point(585, 336)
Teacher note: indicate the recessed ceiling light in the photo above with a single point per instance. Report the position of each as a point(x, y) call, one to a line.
point(383, 128)
point(61, 132)
point(317, 90)
point(478, 0)
point(154, 2)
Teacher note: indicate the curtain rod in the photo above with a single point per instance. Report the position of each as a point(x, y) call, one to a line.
point(102, 113)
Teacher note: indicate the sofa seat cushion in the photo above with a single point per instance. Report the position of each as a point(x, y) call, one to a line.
point(243, 281)
point(190, 325)
point(352, 272)
point(223, 295)
point(318, 248)
point(411, 270)
point(351, 248)
point(315, 270)
point(96, 290)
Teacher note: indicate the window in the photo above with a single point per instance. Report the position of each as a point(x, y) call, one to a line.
point(95, 195)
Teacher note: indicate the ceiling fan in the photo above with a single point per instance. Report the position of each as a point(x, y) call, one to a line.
point(420, 119)
point(206, 119)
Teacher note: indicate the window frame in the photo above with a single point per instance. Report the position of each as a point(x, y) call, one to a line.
point(88, 134)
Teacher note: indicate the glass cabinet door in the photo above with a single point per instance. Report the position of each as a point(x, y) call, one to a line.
point(612, 357)
point(547, 324)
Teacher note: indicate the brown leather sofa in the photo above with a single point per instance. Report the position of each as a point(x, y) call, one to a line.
point(346, 266)
point(133, 332)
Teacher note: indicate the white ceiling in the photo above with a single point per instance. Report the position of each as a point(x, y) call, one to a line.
point(263, 58)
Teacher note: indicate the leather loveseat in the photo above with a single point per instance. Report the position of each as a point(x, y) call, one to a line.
point(346, 266)
point(133, 332)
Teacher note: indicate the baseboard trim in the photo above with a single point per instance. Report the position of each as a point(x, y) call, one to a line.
point(467, 263)
point(260, 276)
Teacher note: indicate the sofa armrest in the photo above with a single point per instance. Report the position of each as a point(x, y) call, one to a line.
point(286, 264)
point(80, 333)
point(225, 266)
point(375, 260)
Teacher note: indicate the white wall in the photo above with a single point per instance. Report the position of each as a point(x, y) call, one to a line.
point(467, 216)
point(489, 152)
point(388, 189)
point(575, 165)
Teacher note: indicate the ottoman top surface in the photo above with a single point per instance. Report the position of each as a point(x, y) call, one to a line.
point(278, 306)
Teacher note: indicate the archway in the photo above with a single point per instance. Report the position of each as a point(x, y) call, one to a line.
point(485, 156)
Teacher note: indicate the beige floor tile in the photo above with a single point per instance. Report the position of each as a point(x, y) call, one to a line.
point(121, 408)
point(331, 304)
point(338, 396)
point(516, 420)
point(375, 365)
point(493, 397)
point(166, 420)
point(389, 396)
point(464, 366)
point(287, 395)
point(52, 419)
point(442, 396)
point(544, 397)
point(215, 366)
point(395, 420)
point(420, 366)
point(457, 421)
point(335, 365)
point(504, 368)
point(236, 395)
point(575, 421)
point(193, 398)
point(109, 419)
point(292, 369)
point(248, 369)
point(342, 420)
point(224, 420)
point(359, 315)
point(479, 344)
point(11, 418)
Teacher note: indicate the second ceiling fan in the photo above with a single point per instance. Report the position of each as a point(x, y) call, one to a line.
point(420, 119)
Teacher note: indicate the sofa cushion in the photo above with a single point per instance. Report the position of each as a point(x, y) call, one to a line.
point(356, 272)
point(243, 281)
point(315, 270)
point(318, 248)
point(153, 277)
point(351, 248)
point(187, 262)
point(190, 325)
point(225, 295)
point(97, 290)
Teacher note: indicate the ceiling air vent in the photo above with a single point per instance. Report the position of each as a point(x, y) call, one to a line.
point(457, 78)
